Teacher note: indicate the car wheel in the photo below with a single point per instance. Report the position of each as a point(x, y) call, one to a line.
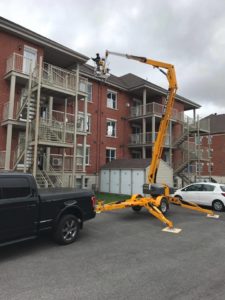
point(164, 206)
point(218, 205)
point(136, 208)
point(67, 230)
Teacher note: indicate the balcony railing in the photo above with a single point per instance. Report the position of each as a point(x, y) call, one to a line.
point(51, 75)
point(154, 108)
point(141, 139)
point(56, 162)
point(18, 63)
point(57, 77)
point(68, 120)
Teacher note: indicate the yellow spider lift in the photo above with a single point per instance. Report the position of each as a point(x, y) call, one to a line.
point(157, 203)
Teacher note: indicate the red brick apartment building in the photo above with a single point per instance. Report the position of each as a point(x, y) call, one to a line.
point(61, 123)
point(215, 142)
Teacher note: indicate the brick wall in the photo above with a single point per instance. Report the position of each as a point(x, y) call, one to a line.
point(100, 113)
point(9, 45)
point(218, 155)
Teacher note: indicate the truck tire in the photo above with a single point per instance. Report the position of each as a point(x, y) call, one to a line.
point(164, 206)
point(67, 230)
point(136, 208)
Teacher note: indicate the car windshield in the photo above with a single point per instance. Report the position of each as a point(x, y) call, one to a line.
point(222, 188)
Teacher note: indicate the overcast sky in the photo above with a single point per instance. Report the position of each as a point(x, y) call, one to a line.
point(187, 33)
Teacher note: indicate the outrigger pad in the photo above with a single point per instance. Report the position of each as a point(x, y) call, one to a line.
point(213, 216)
point(172, 230)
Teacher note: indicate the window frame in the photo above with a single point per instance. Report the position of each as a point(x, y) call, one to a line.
point(114, 130)
point(87, 155)
point(110, 102)
point(90, 93)
point(81, 119)
point(11, 180)
point(109, 157)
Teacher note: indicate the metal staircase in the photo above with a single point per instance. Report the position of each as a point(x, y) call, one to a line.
point(43, 180)
point(182, 138)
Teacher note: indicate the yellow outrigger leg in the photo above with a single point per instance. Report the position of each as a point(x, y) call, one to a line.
point(152, 204)
point(139, 201)
point(192, 206)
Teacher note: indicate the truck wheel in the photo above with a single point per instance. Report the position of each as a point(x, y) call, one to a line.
point(136, 208)
point(67, 230)
point(164, 206)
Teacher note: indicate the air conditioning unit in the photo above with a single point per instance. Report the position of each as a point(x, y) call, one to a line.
point(57, 162)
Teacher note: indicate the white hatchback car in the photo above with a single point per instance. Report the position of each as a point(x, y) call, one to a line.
point(204, 193)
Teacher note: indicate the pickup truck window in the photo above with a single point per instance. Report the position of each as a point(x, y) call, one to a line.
point(14, 187)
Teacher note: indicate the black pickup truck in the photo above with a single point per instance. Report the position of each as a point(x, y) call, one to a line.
point(26, 211)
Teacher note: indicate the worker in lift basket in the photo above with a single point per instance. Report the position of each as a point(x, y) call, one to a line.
point(98, 61)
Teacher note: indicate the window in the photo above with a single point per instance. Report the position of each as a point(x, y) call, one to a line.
point(86, 87)
point(80, 154)
point(193, 188)
point(89, 91)
point(14, 187)
point(86, 181)
point(81, 124)
point(112, 100)
point(222, 188)
point(110, 154)
point(83, 85)
point(111, 128)
point(136, 154)
point(78, 183)
point(29, 59)
point(208, 187)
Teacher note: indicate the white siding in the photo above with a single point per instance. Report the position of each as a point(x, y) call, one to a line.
point(126, 182)
point(130, 181)
point(138, 180)
point(165, 174)
point(104, 181)
point(114, 181)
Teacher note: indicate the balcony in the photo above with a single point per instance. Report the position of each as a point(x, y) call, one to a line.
point(68, 120)
point(61, 80)
point(53, 77)
point(18, 63)
point(154, 109)
point(139, 139)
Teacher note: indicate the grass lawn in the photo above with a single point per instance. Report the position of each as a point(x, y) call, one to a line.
point(110, 197)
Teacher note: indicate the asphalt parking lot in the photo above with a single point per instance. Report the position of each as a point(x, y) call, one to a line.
point(122, 255)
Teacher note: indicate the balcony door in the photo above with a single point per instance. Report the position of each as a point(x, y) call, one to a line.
point(29, 59)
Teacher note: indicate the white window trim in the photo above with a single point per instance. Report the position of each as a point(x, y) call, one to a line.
point(111, 148)
point(111, 120)
point(81, 156)
point(111, 91)
point(91, 100)
point(90, 84)
point(82, 115)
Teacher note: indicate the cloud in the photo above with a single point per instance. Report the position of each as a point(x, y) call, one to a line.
point(190, 34)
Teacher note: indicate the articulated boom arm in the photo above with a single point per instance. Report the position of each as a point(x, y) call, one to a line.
point(167, 111)
point(155, 205)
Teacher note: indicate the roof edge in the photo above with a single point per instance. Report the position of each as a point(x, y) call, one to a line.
point(37, 38)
